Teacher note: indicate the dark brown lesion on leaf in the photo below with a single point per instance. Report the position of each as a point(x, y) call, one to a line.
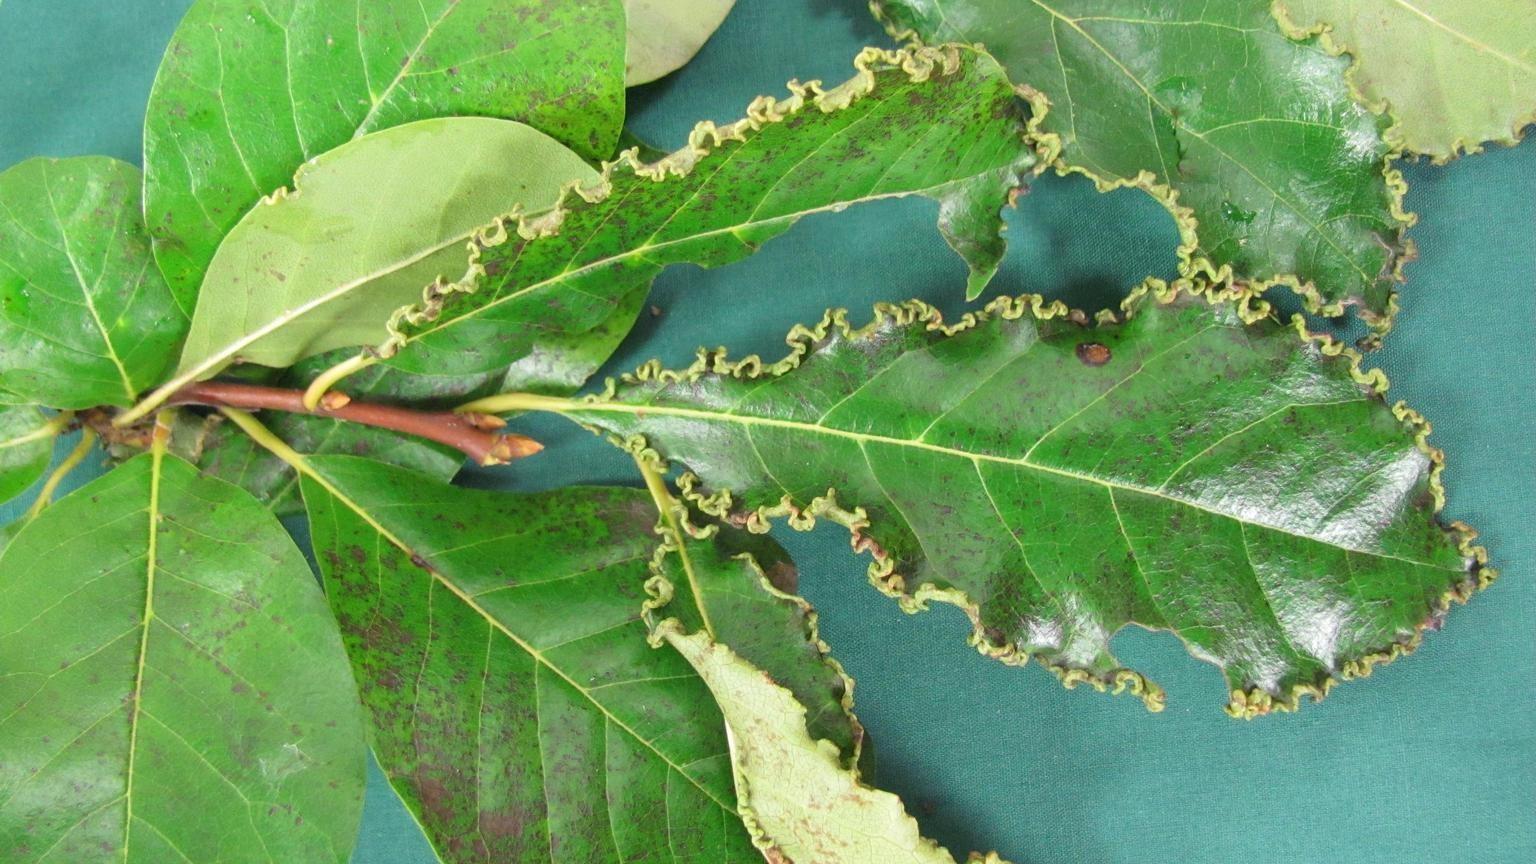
point(1093, 353)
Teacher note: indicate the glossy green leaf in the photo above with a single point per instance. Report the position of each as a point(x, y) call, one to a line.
point(917, 121)
point(1251, 139)
point(516, 705)
point(85, 318)
point(664, 35)
point(1234, 485)
point(26, 446)
point(366, 227)
point(174, 687)
point(738, 588)
point(797, 800)
point(1453, 73)
point(249, 91)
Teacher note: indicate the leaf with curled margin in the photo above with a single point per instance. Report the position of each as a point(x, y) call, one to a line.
point(1245, 489)
point(1252, 140)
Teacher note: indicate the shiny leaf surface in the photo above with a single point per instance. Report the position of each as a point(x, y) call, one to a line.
point(911, 122)
point(798, 801)
point(249, 91)
point(26, 445)
point(516, 705)
point(664, 35)
point(365, 228)
point(85, 318)
point(1276, 170)
point(1453, 73)
point(164, 644)
point(1234, 485)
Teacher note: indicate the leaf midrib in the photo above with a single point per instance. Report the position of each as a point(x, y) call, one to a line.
point(576, 407)
point(302, 465)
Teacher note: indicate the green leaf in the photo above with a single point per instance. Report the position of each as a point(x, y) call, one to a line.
point(249, 92)
point(516, 706)
point(1453, 73)
point(916, 121)
point(26, 446)
point(1252, 140)
point(738, 588)
point(1234, 485)
point(85, 318)
point(366, 227)
point(166, 647)
point(664, 35)
point(799, 803)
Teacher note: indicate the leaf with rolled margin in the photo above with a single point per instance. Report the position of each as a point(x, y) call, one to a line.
point(798, 801)
point(738, 588)
point(1240, 487)
point(165, 643)
point(364, 229)
point(248, 92)
point(1453, 73)
point(26, 446)
point(916, 121)
point(1252, 140)
point(663, 35)
point(85, 318)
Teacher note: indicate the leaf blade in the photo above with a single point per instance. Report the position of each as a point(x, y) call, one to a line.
point(1474, 90)
point(1033, 476)
point(1272, 170)
point(870, 138)
point(86, 318)
point(559, 607)
point(159, 688)
point(305, 76)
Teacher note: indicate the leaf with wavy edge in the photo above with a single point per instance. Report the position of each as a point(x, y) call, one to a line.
point(1245, 489)
point(26, 446)
point(85, 318)
point(1453, 73)
point(663, 35)
point(738, 588)
point(364, 227)
point(915, 121)
point(1250, 139)
point(165, 643)
point(248, 91)
point(800, 804)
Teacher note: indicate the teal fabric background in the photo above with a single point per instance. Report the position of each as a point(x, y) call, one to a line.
point(1432, 760)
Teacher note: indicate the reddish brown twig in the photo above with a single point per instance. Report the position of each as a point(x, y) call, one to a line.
point(475, 435)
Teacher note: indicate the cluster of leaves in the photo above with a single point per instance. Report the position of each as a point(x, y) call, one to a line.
point(595, 674)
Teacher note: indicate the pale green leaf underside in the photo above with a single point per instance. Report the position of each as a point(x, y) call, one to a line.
point(1453, 73)
point(365, 229)
point(517, 707)
point(26, 445)
point(1256, 134)
point(664, 35)
point(251, 89)
point(1180, 472)
point(166, 648)
point(917, 121)
point(85, 318)
point(799, 801)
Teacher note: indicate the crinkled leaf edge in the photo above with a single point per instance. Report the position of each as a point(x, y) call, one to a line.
point(1245, 704)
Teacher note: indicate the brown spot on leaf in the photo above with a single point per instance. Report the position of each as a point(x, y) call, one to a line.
point(1093, 353)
